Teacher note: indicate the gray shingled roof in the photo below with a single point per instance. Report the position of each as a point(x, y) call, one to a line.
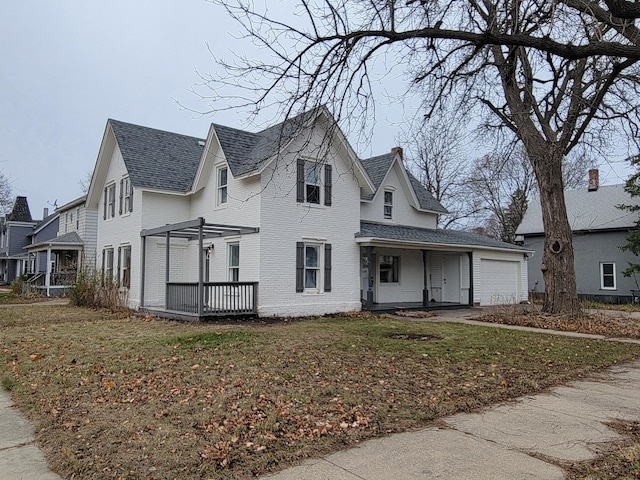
point(20, 211)
point(430, 236)
point(586, 210)
point(247, 152)
point(156, 158)
point(377, 168)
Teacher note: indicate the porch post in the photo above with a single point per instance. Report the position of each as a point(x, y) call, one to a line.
point(47, 276)
point(144, 262)
point(200, 268)
point(371, 271)
point(167, 269)
point(470, 254)
point(425, 290)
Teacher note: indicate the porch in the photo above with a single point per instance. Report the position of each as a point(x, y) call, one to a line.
point(199, 299)
point(53, 265)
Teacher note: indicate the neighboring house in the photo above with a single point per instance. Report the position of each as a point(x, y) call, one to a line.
point(286, 221)
point(60, 246)
point(15, 228)
point(599, 230)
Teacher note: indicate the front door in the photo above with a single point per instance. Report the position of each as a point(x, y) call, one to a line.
point(451, 278)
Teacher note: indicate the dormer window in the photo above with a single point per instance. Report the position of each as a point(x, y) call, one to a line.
point(388, 204)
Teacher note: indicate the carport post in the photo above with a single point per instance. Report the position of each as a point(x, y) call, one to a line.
point(143, 261)
point(200, 268)
point(425, 290)
point(167, 270)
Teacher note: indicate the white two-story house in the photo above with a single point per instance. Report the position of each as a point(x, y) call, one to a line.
point(283, 222)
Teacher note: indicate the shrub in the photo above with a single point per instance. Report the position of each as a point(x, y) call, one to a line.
point(16, 285)
point(92, 291)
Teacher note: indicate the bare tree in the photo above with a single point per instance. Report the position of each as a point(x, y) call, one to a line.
point(552, 74)
point(6, 195)
point(502, 184)
point(436, 156)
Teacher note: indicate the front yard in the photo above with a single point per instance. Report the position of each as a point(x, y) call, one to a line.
point(116, 397)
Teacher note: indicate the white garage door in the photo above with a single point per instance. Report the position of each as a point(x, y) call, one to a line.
point(499, 282)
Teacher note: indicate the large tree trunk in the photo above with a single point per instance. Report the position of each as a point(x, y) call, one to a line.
point(557, 259)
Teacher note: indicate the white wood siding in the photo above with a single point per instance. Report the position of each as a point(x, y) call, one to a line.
point(404, 213)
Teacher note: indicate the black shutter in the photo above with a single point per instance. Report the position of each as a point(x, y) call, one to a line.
point(121, 194)
point(130, 196)
point(299, 267)
point(300, 181)
point(103, 260)
point(104, 217)
point(118, 271)
point(327, 185)
point(327, 267)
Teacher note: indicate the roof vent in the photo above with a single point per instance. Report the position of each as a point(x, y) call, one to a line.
point(201, 143)
point(594, 179)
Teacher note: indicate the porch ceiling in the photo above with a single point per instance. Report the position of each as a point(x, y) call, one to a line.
point(191, 229)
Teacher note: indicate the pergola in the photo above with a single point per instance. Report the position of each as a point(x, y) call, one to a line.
point(197, 229)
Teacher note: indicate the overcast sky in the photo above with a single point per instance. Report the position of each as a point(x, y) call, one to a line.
point(69, 65)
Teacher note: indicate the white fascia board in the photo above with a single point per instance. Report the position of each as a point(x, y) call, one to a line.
point(107, 147)
point(211, 144)
point(438, 246)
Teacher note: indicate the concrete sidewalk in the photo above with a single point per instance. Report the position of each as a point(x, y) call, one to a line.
point(20, 459)
point(503, 442)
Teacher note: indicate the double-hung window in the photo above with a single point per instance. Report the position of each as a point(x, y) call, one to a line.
point(127, 194)
point(222, 186)
point(107, 265)
point(126, 266)
point(314, 182)
point(608, 276)
point(110, 201)
point(234, 262)
point(313, 267)
point(388, 204)
point(389, 269)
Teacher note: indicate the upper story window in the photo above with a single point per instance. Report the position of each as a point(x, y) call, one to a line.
point(109, 201)
point(608, 276)
point(234, 262)
point(388, 204)
point(310, 182)
point(223, 174)
point(126, 195)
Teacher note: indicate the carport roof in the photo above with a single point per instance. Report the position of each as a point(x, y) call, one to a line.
point(429, 237)
point(190, 230)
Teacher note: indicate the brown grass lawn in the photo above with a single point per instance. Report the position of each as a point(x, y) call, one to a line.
point(137, 397)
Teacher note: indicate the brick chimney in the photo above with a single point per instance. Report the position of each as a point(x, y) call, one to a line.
point(398, 150)
point(594, 180)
